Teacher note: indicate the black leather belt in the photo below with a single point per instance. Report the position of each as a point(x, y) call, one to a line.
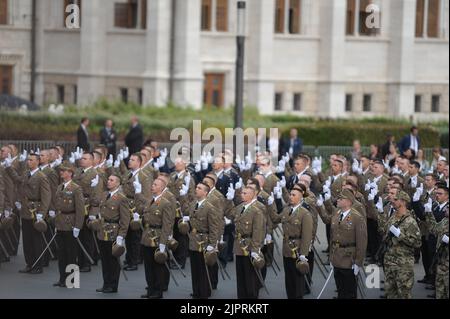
point(153, 226)
point(111, 221)
point(339, 245)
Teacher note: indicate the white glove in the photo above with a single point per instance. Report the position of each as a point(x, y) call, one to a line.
point(161, 161)
point(137, 186)
point(209, 248)
point(248, 157)
point(117, 162)
point(204, 163)
point(367, 186)
point(92, 217)
point(277, 191)
point(317, 164)
point(198, 166)
point(7, 213)
point(187, 180)
point(8, 161)
point(38, 151)
point(379, 205)
point(184, 190)
point(255, 255)
point(119, 240)
point(286, 157)
point(227, 221)
point(163, 153)
point(386, 165)
point(418, 193)
point(238, 159)
point(72, 158)
point(395, 230)
point(39, 217)
point(445, 239)
point(248, 166)
point(395, 170)
point(355, 166)
point(18, 205)
point(428, 206)
point(209, 157)
point(230, 192)
point(314, 171)
point(320, 200)
point(136, 217)
point(271, 199)
point(283, 181)
point(51, 213)
point(23, 156)
point(325, 188)
point(126, 152)
point(156, 165)
point(372, 194)
point(162, 247)
point(75, 232)
point(414, 182)
point(268, 239)
point(327, 196)
point(328, 182)
point(281, 166)
point(110, 161)
point(355, 268)
point(186, 219)
point(239, 183)
point(303, 258)
point(94, 181)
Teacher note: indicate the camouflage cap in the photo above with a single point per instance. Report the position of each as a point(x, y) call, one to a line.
point(346, 194)
point(403, 196)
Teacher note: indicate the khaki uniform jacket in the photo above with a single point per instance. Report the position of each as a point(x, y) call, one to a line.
point(53, 179)
point(114, 215)
point(218, 201)
point(69, 205)
point(270, 183)
point(128, 187)
point(311, 200)
point(35, 193)
point(205, 226)
point(348, 241)
point(158, 220)
point(150, 171)
point(11, 186)
point(2, 192)
point(175, 184)
point(91, 195)
point(250, 229)
point(411, 190)
point(270, 212)
point(297, 231)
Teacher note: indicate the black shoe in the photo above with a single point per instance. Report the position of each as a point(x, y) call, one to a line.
point(27, 269)
point(431, 287)
point(194, 296)
point(382, 296)
point(109, 290)
point(100, 289)
point(326, 251)
point(59, 284)
point(85, 269)
point(145, 296)
point(131, 268)
point(36, 271)
point(155, 296)
point(433, 296)
point(381, 289)
point(165, 289)
point(424, 281)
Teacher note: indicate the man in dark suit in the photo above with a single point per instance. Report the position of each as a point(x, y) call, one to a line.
point(82, 135)
point(135, 137)
point(292, 145)
point(411, 141)
point(108, 137)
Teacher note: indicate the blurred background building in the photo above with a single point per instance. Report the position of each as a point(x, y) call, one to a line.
point(306, 57)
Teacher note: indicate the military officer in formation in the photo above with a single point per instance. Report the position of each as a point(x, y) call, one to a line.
point(165, 212)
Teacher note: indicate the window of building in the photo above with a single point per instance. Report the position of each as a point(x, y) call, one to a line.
point(297, 102)
point(75, 94)
point(213, 89)
point(206, 15)
point(140, 96)
point(367, 102)
point(124, 95)
point(126, 14)
point(6, 80)
point(144, 14)
point(428, 14)
point(60, 94)
point(278, 101)
point(418, 103)
point(435, 101)
point(348, 102)
point(3, 11)
point(222, 15)
point(292, 15)
point(66, 14)
point(356, 17)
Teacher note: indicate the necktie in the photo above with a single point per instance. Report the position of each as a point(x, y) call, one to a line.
point(341, 217)
point(82, 172)
point(196, 206)
point(130, 176)
point(29, 175)
point(296, 179)
point(391, 211)
point(243, 210)
point(291, 211)
point(109, 196)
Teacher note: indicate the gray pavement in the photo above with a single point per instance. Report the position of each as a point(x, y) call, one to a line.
point(16, 285)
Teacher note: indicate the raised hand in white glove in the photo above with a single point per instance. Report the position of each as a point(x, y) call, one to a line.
point(355, 268)
point(227, 221)
point(281, 166)
point(119, 240)
point(198, 166)
point(39, 217)
point(75, 232)
point(126, 152)
point(327, 195)
point(209, 248)
point(23, 157)
point(283, 181)
point(186, 218)
point(204, 163)
point(94, 181)
point(51, 213)
point(320, 200)
point(117, 162)
point(325, 188)
point(184, 190)
point(18, 205)
point(268, 239)
point(8, 161)
point(303, 258)
point(209, 157)
point(72, 158)
point(92, 217)
point(355, 166)
point(230, 192)
point(367, 186)
point(445, 239)
point(248, 157)
point(7, 213)
point(418, 193)
point(162, 247)
point(317, 163)
point(163, 152)
point(428, 206)
point(270, 199)
point(110, 161)
point(238, 184)
point(136, 217)
point(372, 194)
point(137, 186)
point(395, 231)
point(161, 161)
point(277, 190)
point(379, 205)
point(386, 165)
point(187, 180)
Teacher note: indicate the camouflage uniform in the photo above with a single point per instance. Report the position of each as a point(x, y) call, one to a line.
point(439, 230)
point(399, 257)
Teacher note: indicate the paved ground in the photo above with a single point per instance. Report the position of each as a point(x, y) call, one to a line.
point(16, 285)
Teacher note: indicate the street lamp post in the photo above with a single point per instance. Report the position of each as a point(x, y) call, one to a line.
point(240, 41)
